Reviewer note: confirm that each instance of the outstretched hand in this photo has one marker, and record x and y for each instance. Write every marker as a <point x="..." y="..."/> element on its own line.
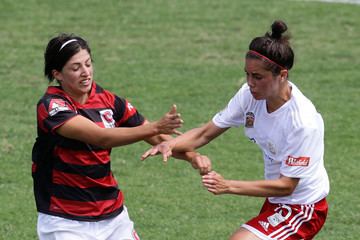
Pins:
<point x="169" y="122"/>
<point x="163" y="148"/>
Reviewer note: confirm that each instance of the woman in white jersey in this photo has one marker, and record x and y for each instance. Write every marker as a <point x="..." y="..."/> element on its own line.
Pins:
<point x="289" y="131"/>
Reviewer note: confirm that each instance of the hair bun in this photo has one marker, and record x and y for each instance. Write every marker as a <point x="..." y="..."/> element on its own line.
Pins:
<point x="278" y="28"/>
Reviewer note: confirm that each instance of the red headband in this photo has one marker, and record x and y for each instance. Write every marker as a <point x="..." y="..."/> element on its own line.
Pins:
<point x="266" y="58"/>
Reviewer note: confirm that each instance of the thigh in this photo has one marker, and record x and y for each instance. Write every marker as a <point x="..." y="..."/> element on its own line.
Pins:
<point x="119" y="228"/>
<point x="243" y="234"/>
<point x="57" y="228"/>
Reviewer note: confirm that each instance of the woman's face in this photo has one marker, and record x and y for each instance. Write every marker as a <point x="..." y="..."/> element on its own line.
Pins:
<point x="77" y="75"/>
<point x="263" y="84"/>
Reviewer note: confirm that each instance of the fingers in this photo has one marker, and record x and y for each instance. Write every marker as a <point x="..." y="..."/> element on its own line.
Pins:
<point x="163" y="148"/>
<point x="166" y="156"/>
<point x="177" y="132"/>
<point x="173" y="109"/>
<point x="170" y="122"/>
<point x="214" y="183"/>
<point x="202" y="163"/>
<point x="151" y="152"/>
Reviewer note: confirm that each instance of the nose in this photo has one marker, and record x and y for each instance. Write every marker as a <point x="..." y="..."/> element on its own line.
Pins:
<point x="85" y="71"/>
<point x="250" y="81"/>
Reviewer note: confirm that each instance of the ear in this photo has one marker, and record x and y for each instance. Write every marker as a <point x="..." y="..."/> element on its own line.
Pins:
<point x="284" y="74"/>
<point x="57" y="75"/>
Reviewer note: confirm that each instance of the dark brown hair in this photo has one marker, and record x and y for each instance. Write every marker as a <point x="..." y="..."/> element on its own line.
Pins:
<point x="56" y="57"/>
<point x="275" y="46"/>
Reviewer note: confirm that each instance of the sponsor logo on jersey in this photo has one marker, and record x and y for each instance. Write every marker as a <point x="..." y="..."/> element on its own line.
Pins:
<point x="265" y="225"/>
<point x="107" y="118"/>
<point x="57" y="105"/>
<point x="298" y="161"/>
<point x="249" y="120"/>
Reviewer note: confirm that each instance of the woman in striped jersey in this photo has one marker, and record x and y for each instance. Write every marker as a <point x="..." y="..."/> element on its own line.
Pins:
<point x="78" y="122"/>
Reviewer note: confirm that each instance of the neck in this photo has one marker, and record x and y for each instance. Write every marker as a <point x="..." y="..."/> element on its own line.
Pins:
<point x="272" y="104"/>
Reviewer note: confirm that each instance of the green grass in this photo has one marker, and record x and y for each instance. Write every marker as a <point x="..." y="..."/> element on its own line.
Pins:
<point x="188" y="52"/>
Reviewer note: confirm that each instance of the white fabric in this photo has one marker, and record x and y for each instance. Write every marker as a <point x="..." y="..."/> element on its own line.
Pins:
<point x="57" y="228"/>
<point x="296" y="129"/>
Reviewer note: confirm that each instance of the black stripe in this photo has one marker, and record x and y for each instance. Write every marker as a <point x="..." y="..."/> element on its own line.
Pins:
<point x="91" y="113"/>
<point x="99" y="89"/>
<point x="85" y="194"/>
<point x="91" y="171"/>
<point x="135" y="120"/>
<point x="52" y="121"/>
<point x="120" y="106"/>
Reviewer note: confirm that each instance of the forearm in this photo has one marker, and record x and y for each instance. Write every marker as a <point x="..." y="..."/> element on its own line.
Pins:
<point x="189" y="141"/>
<point x="123" y="136"/>
<point x="82" y="129"/>
<point x="282" y="186"/>
<point x="260" y="188"/>
<point x="154" y="140"/>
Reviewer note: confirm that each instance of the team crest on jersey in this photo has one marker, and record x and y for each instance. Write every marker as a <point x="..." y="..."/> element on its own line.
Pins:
<point x="107" y="118"/>
<point x="57" y="105"/>
<point x="249" y="120"/>
<point x="298" y="161"/>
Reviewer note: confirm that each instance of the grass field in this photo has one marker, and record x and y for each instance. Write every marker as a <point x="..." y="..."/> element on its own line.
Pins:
<point x="188" y="52"/>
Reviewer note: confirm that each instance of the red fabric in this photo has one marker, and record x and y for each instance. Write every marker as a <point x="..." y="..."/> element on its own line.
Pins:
<point x="80" y="181"/>
<point x="290" y="222"/>
<point x="86" y="209"/>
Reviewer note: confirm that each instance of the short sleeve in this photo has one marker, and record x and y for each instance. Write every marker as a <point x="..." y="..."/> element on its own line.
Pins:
<point x="126" y="115"/>
<point x="233" y="114"/>
<point x="53" y="112"/>
<point x="303" y="154"/>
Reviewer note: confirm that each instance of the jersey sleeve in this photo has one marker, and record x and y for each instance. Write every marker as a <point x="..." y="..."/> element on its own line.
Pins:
<point x="126" y="115"/>
<point x="233" y="114"/>
<point x="304" y="153"/>
<point x="53" y="112"/>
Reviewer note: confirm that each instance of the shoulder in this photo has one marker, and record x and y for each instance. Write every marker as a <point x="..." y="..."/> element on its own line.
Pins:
<point x="53" y="94"/>
<point x="302" y="119"/>
<point x="302" y="111"/>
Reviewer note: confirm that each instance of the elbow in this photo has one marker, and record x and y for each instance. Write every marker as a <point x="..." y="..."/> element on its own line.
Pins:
<point x="287" y="191"/>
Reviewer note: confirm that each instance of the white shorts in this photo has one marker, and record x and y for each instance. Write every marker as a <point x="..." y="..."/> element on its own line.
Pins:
<point x="57" y="228"/>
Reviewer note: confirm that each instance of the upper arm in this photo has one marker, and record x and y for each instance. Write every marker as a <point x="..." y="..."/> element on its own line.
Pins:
<point x="288" y="183"/>
<point x="81" y="129"/>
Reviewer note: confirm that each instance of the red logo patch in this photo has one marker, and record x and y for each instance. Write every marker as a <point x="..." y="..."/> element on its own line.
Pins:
<point x="298" y="161"/>
<point x="57" y="105"/>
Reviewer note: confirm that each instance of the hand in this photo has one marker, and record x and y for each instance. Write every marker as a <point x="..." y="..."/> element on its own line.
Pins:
<point x="164" y="148"/>
<point x="215" y="183"/>
<point x="169" y="122"/>
<point x="202" y="163"/>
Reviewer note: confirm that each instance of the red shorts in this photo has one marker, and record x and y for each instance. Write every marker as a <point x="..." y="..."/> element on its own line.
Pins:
<point x="288" y="221"/>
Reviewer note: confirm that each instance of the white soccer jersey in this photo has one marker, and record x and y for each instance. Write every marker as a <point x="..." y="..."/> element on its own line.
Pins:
<point x="291" y="139"/>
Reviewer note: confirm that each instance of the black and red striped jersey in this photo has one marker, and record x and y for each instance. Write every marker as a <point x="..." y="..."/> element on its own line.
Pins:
<point x="73" y="179"/>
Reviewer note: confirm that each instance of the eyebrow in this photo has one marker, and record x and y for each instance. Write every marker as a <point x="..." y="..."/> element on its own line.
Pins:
<point x="78" y="63"/>
<point x="254" y="73"/>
